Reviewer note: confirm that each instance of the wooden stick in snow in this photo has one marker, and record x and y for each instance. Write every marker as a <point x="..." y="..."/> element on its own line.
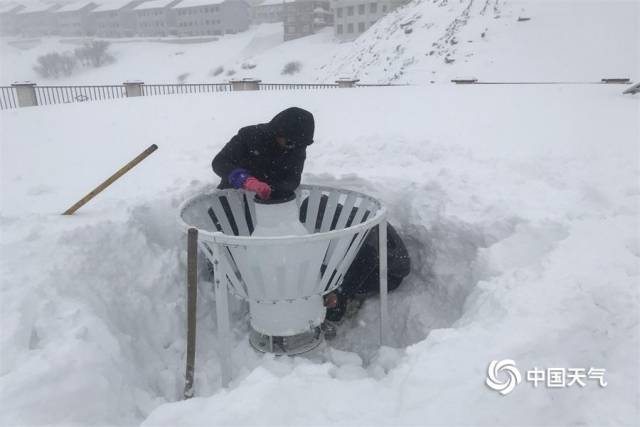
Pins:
<point x="126" y="168"/>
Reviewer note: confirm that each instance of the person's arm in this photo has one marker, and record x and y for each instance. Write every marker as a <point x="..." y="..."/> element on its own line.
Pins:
<point x="231" y="157"/>
<point x="290" y="179"/>
<point x="229" y="165"/>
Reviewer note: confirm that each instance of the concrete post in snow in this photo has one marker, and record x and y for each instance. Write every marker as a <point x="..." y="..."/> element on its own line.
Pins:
<point x="133" y="88"/>
<point x="26" y="94"/>
<point x="345" y="83"/>
<point x="245" y="84"/>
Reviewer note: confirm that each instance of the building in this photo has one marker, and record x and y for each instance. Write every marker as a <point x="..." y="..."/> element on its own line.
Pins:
<point x="155" y="18"/>
<point x="305" y="17"/>
<point x="72" y="19"/>
<point x="267" y="11"/>
<point x="36" y="19"/>
<point x="353" y="17"/>
<point x="8" y="21"/>
<point x="211" y="17"/>
<point x="115" y="18"/>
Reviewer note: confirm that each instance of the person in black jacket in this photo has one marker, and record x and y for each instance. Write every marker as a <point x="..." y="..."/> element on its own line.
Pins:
<point x="362" y="279"/>
<point x="267" y="158"/>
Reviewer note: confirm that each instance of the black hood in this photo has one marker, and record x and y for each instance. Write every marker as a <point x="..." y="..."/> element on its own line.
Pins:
<point x="295" y="124"/>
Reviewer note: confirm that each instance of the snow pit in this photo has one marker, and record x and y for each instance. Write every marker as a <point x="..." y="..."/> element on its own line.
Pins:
<point x="126" y="314"/>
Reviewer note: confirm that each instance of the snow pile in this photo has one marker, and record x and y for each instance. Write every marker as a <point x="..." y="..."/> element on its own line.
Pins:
<point x="521" y="237"/>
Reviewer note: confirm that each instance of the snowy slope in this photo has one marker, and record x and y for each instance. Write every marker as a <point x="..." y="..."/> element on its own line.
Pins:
<point x="437" y="40"/>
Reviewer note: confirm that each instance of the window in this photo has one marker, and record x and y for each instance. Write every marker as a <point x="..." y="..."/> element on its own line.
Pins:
<point x="361" y="27"/>
<point x="384" y="8"/>
<point x="339" y="28"/>
<point x="350" y="11"/>
<point x="339" y="12"/>
<point x="373" y="8"/>
<point x="350" y="28"/>
<point x="360" y="9"/>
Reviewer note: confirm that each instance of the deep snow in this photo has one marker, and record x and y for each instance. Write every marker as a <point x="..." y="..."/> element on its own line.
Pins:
<point x="521" y="220"/>
<point x="520" y="206"/>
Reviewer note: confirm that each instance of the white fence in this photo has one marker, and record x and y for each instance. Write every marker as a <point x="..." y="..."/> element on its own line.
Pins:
<point x="30" y="94"/>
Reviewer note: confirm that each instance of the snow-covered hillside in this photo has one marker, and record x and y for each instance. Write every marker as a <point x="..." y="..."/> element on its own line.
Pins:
<point x="422" y="42"/>
<point x="520" y="206"/>
<point x="497" y="40"/>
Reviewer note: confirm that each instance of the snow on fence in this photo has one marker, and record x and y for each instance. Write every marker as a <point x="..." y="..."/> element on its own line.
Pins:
<point x="49" y="95"/>
<point x="608" y="80"/>
<point x="28" y="94"/>
<point x="171" y="89"/>
<point x="8" y="98"/>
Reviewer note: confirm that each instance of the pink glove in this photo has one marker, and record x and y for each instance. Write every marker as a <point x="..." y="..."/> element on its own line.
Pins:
<point x="262" y="189"/>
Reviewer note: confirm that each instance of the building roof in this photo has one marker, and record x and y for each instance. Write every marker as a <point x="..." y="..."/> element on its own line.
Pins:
<point x="10" y="7"/>
<point x="110" y="5"/>
<point x="72" y="7"/>
<point x="154" y="4"/>
<point x="36" y="7"/>
<point x="196" y="3"/>
<point x="271" y="2"/>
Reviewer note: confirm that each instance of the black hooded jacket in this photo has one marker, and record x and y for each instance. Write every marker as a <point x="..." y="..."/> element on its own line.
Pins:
<point x="254" y="148"/>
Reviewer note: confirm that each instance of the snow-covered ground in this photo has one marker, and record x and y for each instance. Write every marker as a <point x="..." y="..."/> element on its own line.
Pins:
<point x="227" y="58"/>
<point x="520" y="206"/>
<point x="522" y="221"/>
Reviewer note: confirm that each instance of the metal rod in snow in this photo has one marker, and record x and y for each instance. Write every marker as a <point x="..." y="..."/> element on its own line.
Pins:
<point x="192" y="298"/>
<point x="382" y="252"/>
<point x="126" y="168"/>
<point x="222" y="313"/>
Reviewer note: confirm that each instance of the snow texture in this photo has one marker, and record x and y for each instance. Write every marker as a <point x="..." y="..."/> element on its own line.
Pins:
<point x="520" y="206"/>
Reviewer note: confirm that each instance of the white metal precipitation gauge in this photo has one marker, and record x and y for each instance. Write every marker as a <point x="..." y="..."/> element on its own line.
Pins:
<point x="282" y="257"/>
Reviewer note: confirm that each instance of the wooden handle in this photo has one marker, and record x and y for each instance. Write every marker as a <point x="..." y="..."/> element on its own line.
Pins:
<point x="126" y="168"/>
<point x="192" y="298"/>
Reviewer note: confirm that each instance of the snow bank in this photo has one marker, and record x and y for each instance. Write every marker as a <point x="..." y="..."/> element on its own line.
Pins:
<point x="521" y="220"/>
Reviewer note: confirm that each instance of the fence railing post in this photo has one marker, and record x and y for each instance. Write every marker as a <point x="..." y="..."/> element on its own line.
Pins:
<point x="133" y="88"/>
<point x="26" y="94"/>
<point x="245" y="84"/>
<point x="345" y="83"/>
